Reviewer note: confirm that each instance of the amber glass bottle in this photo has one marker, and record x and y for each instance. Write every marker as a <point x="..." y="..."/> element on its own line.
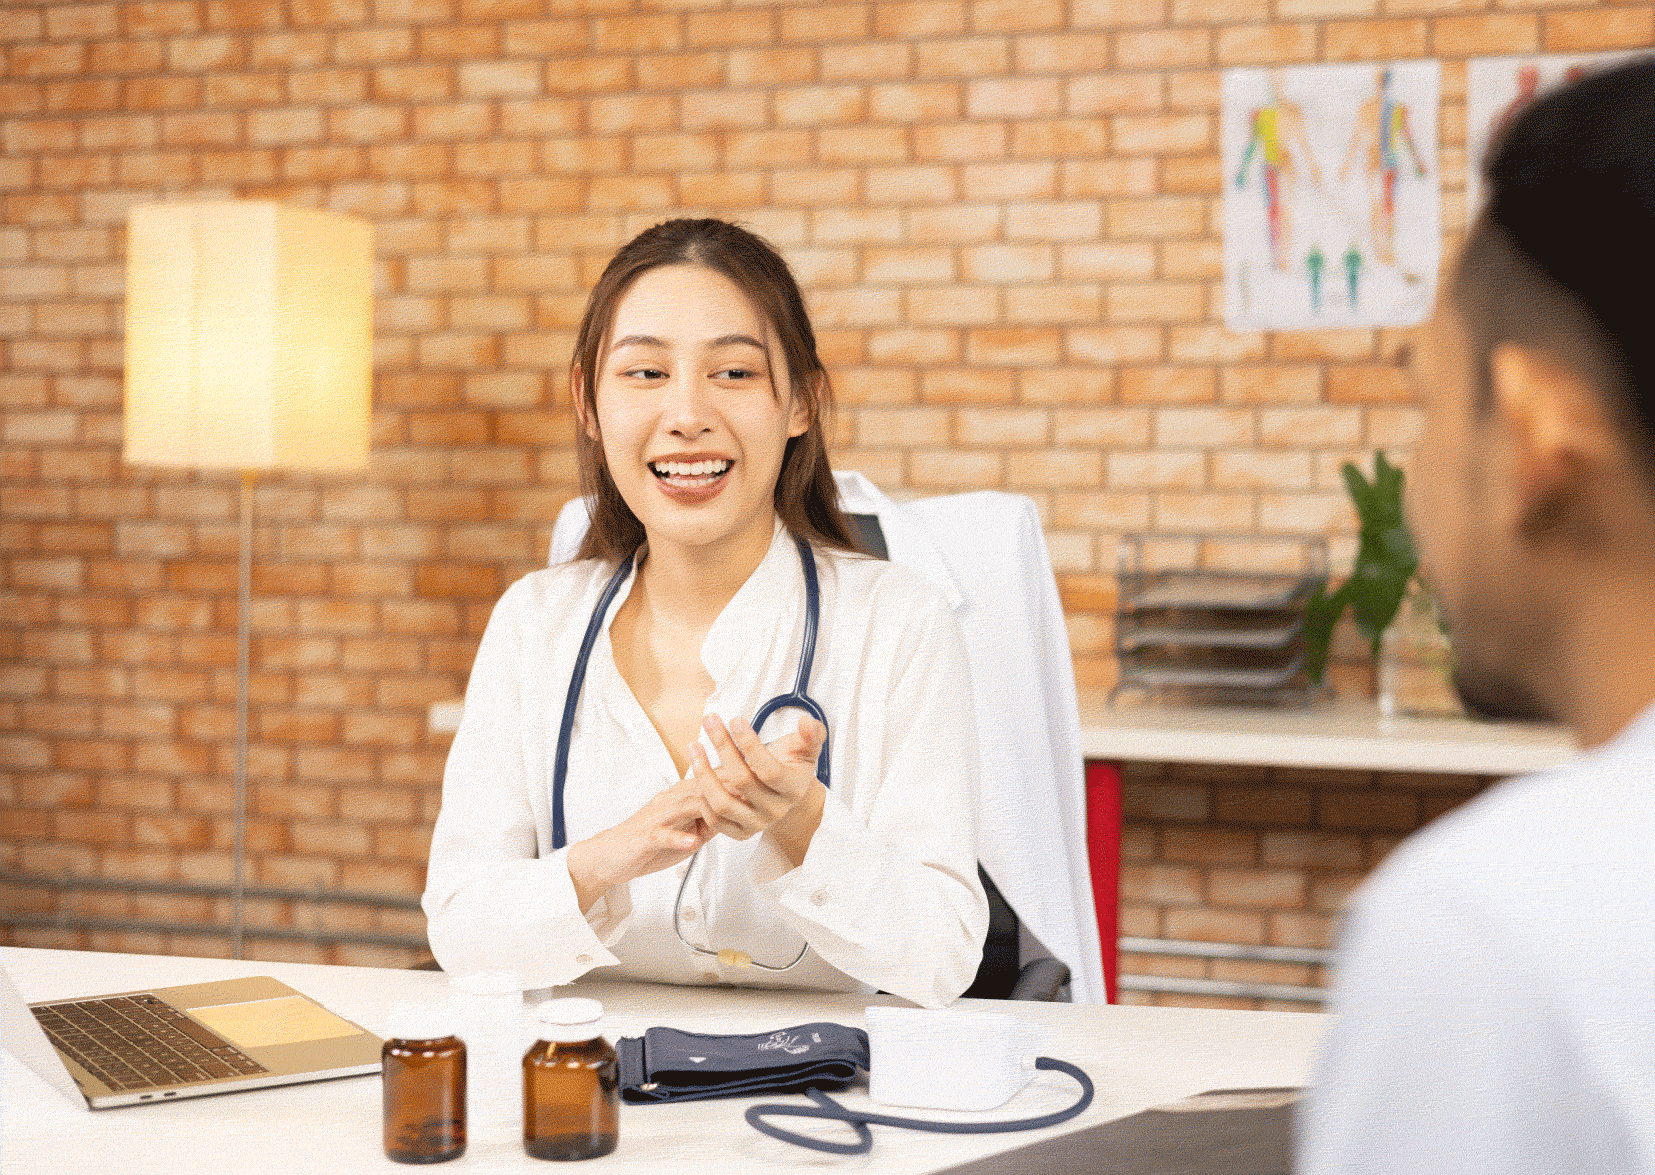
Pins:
<point x="571" y="1084"/>
<point x="423" y="1072"/>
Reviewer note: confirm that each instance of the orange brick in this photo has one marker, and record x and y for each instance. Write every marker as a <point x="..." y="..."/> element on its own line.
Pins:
<point x="1013" y="98"/>
<point x="862" y="144"/>
<point x="770" y="67"/>
<point x="915" y="102"/>
<point x="679" y="71"/>
<point x="1370" y="40"/>
<point x="919" y="19"/>
<point x="242" y="14"/>
<point x="1272" y="385"/>
<point x="1598" y="28"/>
<point x="1367" y="383"/>
<point x="740" y="27"/>
<point x="1157" y="302"/>
<point x="712" y="110"/>
<point x="967" y="58"/>
<point x="825" y="22"/>
<point x="329" y="12"/>
<point x="1271" y="44"/>
<point x="1113" y="13"/>
<point x="1163" y="48"/>
<point x="960" y="141"/>
<point x="1012" y="16"/>
<point x="1114" y="93"/>
<point x="545" y="38"/>
<point x="1168" y="385"/>
<point x="635" y="34"/>
<point x="1014" y="347"/>
<point x="1113" y="344"/>
<point x="1162" y="134"/>
<point x="1469" y="36"/>
<point x="820" y="105"/>
<point x="160" y="17"/>
<point x="967" y="386"/>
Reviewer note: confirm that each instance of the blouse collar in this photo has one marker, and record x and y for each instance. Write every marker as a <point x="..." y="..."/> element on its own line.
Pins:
<point x="767" y="605"/>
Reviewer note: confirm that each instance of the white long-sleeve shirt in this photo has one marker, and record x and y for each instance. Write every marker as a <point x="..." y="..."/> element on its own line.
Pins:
<point x="1495" y="1006"/>
<point x="887" y="896"/>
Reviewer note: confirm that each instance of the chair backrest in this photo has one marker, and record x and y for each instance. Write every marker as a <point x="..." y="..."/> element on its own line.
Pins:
<point x="987" y="553"/>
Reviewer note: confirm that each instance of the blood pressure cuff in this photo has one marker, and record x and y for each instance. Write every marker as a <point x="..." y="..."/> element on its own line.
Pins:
<point x="668" y="1065"/>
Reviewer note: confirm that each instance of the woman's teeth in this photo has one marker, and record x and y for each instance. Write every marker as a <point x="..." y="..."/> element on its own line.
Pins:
<point x="690" y="473"/>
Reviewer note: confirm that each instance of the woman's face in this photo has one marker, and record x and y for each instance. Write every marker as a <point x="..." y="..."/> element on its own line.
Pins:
<point x="694" y="408"/>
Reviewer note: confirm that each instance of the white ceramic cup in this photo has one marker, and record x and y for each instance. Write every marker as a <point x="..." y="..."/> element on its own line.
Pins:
<point x="946" y="1059"/>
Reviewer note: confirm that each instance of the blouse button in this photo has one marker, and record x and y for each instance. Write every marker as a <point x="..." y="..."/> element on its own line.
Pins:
<point x="687" y="913"/>
<point x="583" y="958"/>
<point x="710" y="976"/>
<point x="819" y="898"/>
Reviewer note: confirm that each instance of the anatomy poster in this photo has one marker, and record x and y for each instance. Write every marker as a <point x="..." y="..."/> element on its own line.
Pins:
<point x="1331" y="214"/>
<point x="1496" y="88"/>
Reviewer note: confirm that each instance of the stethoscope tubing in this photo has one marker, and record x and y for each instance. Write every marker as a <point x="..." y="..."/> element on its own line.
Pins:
<point x="797" y="698"/>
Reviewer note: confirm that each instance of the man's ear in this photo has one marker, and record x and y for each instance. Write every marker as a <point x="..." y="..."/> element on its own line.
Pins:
<point x="577" y="393"/>
<point x="1560" y="434"/>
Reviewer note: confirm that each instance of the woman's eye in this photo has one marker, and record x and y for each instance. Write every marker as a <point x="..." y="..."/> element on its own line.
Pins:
<point x="736" y="373"/>
<point x="647" y="373"/>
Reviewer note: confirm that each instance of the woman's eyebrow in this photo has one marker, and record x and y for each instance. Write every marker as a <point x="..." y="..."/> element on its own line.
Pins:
<point x="732" y="340"/>
<point x="637" y="341"/>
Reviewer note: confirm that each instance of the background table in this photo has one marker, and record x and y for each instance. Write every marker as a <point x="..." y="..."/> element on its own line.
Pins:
<point x="1138" y="1057"/>
<point x="1344" y="736"/>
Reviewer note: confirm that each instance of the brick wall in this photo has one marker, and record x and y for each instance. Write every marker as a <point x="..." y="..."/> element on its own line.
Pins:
<point x="1004" y="213"/>
<point x="1257" y="857"/>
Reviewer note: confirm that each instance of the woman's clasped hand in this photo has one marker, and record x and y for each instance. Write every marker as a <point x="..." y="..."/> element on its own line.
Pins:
<point x="755" y="788"/>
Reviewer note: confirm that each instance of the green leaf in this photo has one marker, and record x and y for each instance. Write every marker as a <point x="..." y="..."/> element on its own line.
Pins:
<point x="1385" y="562"/>
<point x="1321" y="613"/>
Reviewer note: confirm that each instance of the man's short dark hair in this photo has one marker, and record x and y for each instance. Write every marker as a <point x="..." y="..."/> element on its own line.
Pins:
<point x="1563" y="257"/>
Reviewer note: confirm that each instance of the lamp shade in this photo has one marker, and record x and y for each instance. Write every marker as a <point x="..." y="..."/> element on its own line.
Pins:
<point x="249" y="336"/>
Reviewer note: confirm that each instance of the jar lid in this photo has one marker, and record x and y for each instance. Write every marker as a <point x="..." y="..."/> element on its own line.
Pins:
<point x="411" y="1021"/>
<point x="568" y="1021"/>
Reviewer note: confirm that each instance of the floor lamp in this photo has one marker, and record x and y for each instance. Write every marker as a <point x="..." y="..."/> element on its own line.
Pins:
<point x="249" y="338"/>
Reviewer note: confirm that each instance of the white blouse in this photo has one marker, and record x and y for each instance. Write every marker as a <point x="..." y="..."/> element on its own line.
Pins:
<point x="887" y="897"/>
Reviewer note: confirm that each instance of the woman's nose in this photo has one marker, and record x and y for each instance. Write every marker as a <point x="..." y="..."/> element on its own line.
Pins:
<point x="687" y="411"/>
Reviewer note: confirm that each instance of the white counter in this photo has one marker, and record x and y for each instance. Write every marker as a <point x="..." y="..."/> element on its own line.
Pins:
<point x="1343" y="736"/>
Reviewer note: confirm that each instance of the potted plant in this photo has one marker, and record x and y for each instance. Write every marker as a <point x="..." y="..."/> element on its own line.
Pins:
<point x="1386" y="564"/>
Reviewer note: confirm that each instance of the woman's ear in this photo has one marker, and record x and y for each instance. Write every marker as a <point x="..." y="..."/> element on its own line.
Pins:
<point x="577" y="393"/>
<point x="803" y="413"/>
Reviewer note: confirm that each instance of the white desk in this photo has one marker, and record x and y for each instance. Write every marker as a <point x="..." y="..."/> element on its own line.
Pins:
<point x="1138" y="1057"/>
<point x="1348" y="736"/>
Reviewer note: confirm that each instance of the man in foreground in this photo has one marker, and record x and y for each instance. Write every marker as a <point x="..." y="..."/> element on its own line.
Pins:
<point x="1496" y="996"/>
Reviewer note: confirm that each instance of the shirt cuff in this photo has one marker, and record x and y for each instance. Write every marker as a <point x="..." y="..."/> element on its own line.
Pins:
<point x="813" y="887"/>
<point x="541" y="940"/>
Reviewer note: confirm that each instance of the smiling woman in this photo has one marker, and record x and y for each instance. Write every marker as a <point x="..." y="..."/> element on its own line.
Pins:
<point x="655" y="831"/>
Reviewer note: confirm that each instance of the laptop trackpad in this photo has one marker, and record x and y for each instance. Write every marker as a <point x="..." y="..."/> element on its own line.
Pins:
<point x="284" y="1020"/>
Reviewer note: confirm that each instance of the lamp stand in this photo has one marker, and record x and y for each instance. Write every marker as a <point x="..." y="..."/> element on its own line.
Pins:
<point x="238" y="900"/>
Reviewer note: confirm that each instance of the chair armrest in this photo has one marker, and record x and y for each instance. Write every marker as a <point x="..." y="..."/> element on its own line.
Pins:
<point x="1040" y="979"/>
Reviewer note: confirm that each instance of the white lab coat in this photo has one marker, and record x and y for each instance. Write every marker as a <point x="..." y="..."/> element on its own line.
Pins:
<point x="886" y="898"/>
<point x="987" y="553"/>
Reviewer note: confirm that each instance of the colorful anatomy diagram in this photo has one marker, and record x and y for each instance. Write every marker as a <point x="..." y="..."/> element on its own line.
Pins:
<point x="1381" y="138"/>
<point x="1331" y="192"/>
<point x="1283" y="153"/>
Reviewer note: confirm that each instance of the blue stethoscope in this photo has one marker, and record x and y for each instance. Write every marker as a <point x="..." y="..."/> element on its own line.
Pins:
<point x="796" y="699"/>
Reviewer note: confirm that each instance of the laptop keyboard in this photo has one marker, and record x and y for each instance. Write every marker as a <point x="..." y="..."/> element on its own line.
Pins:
<point x="133" y="1042"/>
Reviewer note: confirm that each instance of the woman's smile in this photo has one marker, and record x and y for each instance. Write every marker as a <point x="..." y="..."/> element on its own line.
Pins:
<point x="691" y="480"/>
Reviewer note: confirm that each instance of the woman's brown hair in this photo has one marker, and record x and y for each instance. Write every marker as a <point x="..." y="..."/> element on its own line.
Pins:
<point x="806" y="497"/>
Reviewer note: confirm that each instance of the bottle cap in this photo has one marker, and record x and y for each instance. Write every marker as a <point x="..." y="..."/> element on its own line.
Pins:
<point x="410" y="1021"/>
<point x="569" y="1021"/>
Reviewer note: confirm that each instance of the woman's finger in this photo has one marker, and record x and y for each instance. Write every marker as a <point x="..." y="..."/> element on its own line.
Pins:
<point x="763" y="765"/>
<point x="724" y="813"/>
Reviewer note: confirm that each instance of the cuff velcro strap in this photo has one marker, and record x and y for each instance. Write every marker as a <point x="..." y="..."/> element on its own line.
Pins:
<point x="669" y="1065"/>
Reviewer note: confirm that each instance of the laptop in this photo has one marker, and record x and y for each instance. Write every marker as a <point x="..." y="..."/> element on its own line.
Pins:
<point x="1220" y="1132"/>
<point x="176" y="1042"/>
